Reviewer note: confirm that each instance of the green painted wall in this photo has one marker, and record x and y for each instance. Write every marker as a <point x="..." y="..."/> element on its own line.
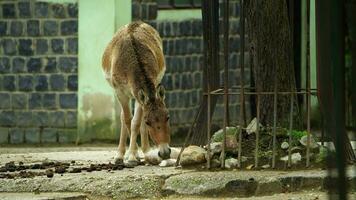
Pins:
<point x="98" y="109"/>
<point x="179" y="15"/>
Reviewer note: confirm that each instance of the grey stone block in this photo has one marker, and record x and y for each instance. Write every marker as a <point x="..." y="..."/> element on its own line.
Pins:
<point x="16" y="135"/>
<point x="5" y="101"/>
<point x="16" y="28"/>
<point x="73" y="82"/>
<point x="50" y="64"/>
<point x="33" y="28"/>
<point x="4" y="135"/>
<point x="68" y="64"/>
<point x="32" y="136"/>
<point x="71" y="119"/>
<point x="41" y="119"/>
<point x="9" y="46"/>
<point x="49" y="135"/>
<point x="34" y="65"/>
<point x="57" y="82"/>
<point x="9" y="83"/>
<point x="19" y="101"/>
<point x="68" y="101"/>
<point x="41" y="46"/>
<point x="57" y="119"/>
<point x="73" y="10"/>
<point x="41" y="83"/>
<point x="67" y="135"/>
<point x="24" y="118"/>
<point x="18" y="65"/>
<point x="4" y="65"/>
<point x="58" y="10"/>
<point x="7" y="118"/>
<point x="3" y="28"/>
<point x="49" y="101"/>
<point x="69" y="27"/>
<point x="50" y="28"/>
<point x="25" y="83"/>
<point x="72" y="45"/>
<point x="41" y="9"/>
<point x="152" y="11"/>
<point x="35" y="101"/>
<point x="57" y="46"/>
<point x="25" y="47"/>
<point x="24" y="9"/>
<point x="8" y="10"/>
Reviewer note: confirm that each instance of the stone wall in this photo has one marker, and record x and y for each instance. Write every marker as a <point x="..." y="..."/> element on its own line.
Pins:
<point x="183" y="49"/>
<point x="38" y="71"/>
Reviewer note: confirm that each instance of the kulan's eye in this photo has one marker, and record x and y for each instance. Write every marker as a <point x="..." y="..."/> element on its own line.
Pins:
<point x="167" y="118"/>
<point x="148" y="123"/>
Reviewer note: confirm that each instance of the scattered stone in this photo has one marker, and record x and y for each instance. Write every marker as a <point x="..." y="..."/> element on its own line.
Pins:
<point x="192" y="155"/>
<point x="304" y="140"/>
<point x="218" y="136"/>
<point x="49" y="173"/>
<point x="252" y="127"/>
<point x="168" y="163"/>
<point x="75" y="170"/>
<point x="265" y="166"/>
<point x="231" y="163"/>
<point x="215" y="163"/>
<point x="216" y="147"/>
<point x="284" y="145"/>
<point x="60" y="169"/>
<point x="295" y="158"/>
<point x="249" y="167"/>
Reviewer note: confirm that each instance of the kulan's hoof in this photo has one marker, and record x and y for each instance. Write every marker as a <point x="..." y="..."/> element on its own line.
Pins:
<point x="118" y="161"/>
<point x="131" y="163"/>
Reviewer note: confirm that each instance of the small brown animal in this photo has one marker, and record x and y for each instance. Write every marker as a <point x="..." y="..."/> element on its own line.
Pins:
<point x="133" y="64"/>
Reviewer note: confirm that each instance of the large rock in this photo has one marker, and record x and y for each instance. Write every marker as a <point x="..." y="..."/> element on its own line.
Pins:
<point x="192" y="155"/>
<point x="252" y="127"/>
<point x="304" y="140"/>
<point x="231" y="163"/>
<point x="295" y="158"/>
<point x="231" y="138"/>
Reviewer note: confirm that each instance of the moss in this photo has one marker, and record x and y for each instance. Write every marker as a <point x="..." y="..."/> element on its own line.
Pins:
<point x="218" y="135"/>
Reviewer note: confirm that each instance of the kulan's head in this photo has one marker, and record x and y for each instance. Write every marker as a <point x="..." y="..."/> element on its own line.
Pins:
<point x="156" y="119"/>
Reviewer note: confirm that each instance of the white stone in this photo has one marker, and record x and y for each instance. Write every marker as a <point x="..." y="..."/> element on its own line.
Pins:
<point x="168" y="163"/>
<point x="284" y="145"/>
<point x="231" y="163"/>
<point x="295" y="158"/>
<point x="252" y="127"/>
<point x="304" y="140"/>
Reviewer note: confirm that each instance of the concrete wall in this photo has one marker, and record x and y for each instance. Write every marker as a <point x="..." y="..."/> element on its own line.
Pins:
<point x="38" y="71"/>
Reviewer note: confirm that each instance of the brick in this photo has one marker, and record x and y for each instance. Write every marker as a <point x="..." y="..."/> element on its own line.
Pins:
<point x="3" y="28"/>
<point x="41" y="83"/>
<point x="33" y="28"/>
<point x="50" y="64"/>
<point x="24" y="9"/>
<point x="16" y="135"/>
<point x="72" y="45"/>
<point x="4" y="135"/>
<point x="9" y="46"/>
<point x="24" y="118"/>
<point x="41" y="119"/>
<point x="4" y="65"/>
<point x="72" y="82"/>
<point x="32" y="136"/>
<point x="68" y="100"/>
<point x="152" y="11"/>
<point x="168" y="82"/>
<point x="198" y="79"/>
<point x="19" y="101"/>
<point x="69" y="27"/>
<point x="194" y="98"/>
<point x="71" y="119"/>
<point x="9" y="83"/>
<point x="34" y="101"/>
<point x="49" y="135"/>
<point x="26" y="83"/>
<point x="57" y="82"/>
<point x="18" y="65"/>
<point x="50" y="28"/>
<point x="73" y="10"/>
<point x="49" y="101"/>
<point x="177" y="81"/>
<point x="7" y="118"/>
<point x="16" y="28"/>
<point x="5" y="101"/>
<point x="41" y="46"/>
<point x="8" y="10"/>
<point x="57" y="46"/>
<point x="58" y="10"/>
<point x="25" y="47"/>
<point x="67" y="135"/>
<point x="34" y="65"/>
<point x="57" y="119"/>
<point x="41" y="9"/>
<point x="197" y="28"/>
<point x="135" y="10"/>
<point x="185" y="27"/>
<point x="167" y="29"/>
<point x="68" y="64"/>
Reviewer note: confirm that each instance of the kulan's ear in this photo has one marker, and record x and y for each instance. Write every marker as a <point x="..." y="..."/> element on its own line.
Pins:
<point x="142" y="97"/>
<point x="160" y="92"/>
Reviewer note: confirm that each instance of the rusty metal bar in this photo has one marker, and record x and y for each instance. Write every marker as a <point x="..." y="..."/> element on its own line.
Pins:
<point x="226" y="77"/>
<point x="274" y="124"/>
<point x="257" y="130"/>
<point x="242" y="75"/>
<point x="261" y="93"/>
<point x="290" y="130"/>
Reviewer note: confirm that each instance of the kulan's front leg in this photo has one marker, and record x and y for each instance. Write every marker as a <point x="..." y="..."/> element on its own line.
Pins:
<point x="135" y="128"/>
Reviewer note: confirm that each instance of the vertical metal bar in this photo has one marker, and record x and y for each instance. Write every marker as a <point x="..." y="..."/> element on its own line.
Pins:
<point x="258" y="128"/>
<point x="307" y="64"/>
<point x="226" y="77"/>
<point x="209" y="66"/>
<point x="242" y="75"/>
<point x="274" y="123"/>
<point x="290" y="130"/>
